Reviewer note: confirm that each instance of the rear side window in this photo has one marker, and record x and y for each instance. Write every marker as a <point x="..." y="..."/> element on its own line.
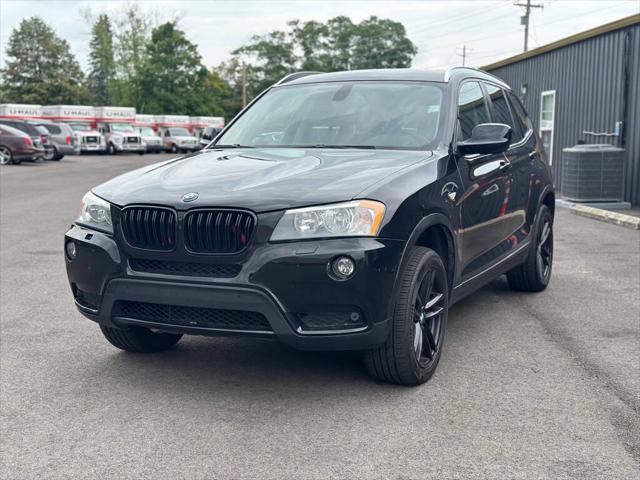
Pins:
<point x="501" y="112"/>
<point x="54" y="129"/>
<point x="472" y="108"/>
<point x="519" y="114"/>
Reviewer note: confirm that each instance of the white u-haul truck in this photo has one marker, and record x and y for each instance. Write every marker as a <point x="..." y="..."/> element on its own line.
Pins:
<point x="175" y="133"/>
<point x="116" y="124"/>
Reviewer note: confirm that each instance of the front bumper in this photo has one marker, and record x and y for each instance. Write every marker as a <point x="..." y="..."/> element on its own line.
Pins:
<point x="129" y="147"/>
<point x="93" y="147"/>
<point x="286" y="283"/>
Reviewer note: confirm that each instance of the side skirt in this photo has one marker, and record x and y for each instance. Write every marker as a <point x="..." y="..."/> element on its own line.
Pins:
<point x="479" y="280"/>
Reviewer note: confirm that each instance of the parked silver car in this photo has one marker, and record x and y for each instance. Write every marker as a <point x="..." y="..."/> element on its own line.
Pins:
<point x="151" y="139"/>
<point x="62" y="140"/>
<point x="178" y="139"/>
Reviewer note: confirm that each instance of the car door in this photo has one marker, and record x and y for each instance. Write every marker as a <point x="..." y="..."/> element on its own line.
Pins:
<point x="485" y="222"/>
<point x="519" y="162"/>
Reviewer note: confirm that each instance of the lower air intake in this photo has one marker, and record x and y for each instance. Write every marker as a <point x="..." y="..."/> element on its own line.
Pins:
<point x="192" y="316"/>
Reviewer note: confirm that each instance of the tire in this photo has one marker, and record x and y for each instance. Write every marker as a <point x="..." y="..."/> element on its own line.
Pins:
<point x="408" y="357"/>
<point x="139" y="339"/>
<point x="49" y="155"/>
<point x="174" y="148"/>
<point x="6" y="156"/>
<point x="56" y="155"/>
<point x="111" y="149"/>
<point x="534" y="274"/>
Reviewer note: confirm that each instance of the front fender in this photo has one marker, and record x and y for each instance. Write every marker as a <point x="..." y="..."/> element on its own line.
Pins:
<point x="422" y="226"/>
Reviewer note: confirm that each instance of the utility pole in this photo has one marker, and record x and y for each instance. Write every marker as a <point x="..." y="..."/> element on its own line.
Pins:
<point x="524" y="20"/>
<point x="463" y="54"/>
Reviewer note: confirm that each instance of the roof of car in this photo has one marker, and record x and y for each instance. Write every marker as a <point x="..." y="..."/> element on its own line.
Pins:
<point x="13" y="130"/>
<point x="442" y="75"/>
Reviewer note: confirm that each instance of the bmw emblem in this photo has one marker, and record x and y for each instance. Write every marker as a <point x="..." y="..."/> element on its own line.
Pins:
<point x="190" y="197"/>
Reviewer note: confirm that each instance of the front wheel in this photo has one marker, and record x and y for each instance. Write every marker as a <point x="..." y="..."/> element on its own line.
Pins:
<point x="139" y="339"/>
<point x="414" y="346"/>
<point x="111" y="149"/>
<point x="174" y="148"/>
<point x="534" y="274"/>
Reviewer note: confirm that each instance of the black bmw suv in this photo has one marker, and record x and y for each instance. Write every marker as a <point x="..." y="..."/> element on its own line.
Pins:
<point x="338" y="211"/>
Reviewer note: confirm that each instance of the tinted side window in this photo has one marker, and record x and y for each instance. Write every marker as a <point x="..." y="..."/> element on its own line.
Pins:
<point x="54" y="129"/>
<point x="501" y="112"/>
<point x="472" y="108"/>
<point x="519" y="114"/>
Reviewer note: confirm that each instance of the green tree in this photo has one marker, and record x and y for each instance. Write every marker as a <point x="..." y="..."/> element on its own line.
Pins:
<point x="338" y="44"/>
<point x="172" y="73"/>
<point x="101" y="61"/>
<point x="40" y="67"/>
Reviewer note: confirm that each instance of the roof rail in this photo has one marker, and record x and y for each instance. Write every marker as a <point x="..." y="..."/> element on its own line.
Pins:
<point x="295" y="76"/>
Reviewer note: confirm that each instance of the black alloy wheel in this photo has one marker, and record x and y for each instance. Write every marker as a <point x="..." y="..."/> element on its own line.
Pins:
<point x="427" y="317"/>
<point x="544" y="250"/>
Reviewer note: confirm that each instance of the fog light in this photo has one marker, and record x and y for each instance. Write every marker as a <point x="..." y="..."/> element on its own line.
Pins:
<point x="343" y="268"/>
<point x="71" y="250"/>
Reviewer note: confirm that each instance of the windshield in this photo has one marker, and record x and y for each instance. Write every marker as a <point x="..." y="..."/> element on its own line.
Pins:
<point x="147" y="131"/>
<point x="80" y="127"/>
<point x="179" y="132"/>
<point x="121" y="127"/>
<point x="394" y="115"/>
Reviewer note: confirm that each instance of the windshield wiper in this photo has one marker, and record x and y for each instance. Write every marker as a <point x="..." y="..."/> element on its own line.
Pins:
<point x="235" y="145"/>
<point x="368" y="147"/>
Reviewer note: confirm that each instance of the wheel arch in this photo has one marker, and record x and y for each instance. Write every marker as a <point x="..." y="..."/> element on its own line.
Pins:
<point x="435" y="232"/>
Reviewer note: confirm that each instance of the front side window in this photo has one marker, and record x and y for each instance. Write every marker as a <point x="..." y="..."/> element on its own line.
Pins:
<point x="472" y="108"/>
<point x="383" y="114"/>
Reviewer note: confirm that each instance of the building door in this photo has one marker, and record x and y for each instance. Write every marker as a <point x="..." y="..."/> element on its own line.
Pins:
<point x="547" y="118"/>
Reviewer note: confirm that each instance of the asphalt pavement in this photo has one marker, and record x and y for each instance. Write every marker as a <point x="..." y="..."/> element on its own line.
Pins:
<point x="529" y="386"/>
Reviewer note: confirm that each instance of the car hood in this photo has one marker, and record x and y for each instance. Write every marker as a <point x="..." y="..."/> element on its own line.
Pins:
<point x="259" y="179"/>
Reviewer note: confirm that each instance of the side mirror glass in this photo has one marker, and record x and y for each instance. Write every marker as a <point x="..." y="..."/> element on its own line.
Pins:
<point x="487" y="138"/>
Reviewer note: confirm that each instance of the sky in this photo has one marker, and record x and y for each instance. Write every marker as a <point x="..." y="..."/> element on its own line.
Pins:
<point x="490" y="29"/>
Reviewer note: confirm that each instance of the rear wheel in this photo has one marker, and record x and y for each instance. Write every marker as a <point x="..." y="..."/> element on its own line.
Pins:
<point x="6" y="156"/>
<point x="412" y="352"/>
<point x="49" y="154"/>
<point x="534" y="274"/>
<point x="139" y="339"/>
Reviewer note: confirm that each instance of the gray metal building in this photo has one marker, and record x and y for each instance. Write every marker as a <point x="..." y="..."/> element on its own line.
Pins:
<point x="584" y="88"/>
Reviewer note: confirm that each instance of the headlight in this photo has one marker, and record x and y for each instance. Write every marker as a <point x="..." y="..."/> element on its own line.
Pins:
<point x="360" y="218"/>
<point x="95" y="212"/>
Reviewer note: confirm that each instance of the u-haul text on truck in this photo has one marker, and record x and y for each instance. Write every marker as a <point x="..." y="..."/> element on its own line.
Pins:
<point x="20" y="111"/>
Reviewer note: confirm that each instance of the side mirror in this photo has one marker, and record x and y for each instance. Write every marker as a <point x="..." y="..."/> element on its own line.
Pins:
<point x="487" y="138"/>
